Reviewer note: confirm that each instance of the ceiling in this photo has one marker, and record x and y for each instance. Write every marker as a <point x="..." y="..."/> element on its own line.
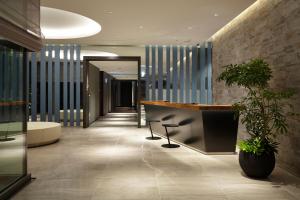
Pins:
<point x="141" y="22"/>
<point x="122" y="70"/>
<point x="129" y="25"/>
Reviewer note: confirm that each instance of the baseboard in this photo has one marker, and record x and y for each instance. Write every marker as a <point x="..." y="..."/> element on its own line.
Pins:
<point x="15" y="187"/>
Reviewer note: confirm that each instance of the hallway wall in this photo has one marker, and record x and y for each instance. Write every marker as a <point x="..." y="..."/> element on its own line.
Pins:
<point x="269" y="29"/>
<point x="105" y="93"/>
<point x="94" y="93"/>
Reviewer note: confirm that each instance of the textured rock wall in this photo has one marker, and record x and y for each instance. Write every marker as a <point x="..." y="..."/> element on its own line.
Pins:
<point x="269" y="29"/>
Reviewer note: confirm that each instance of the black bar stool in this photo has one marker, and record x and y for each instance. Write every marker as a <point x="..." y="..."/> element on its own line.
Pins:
<point x="149" y="121"/>
<point x="169" y="145"/>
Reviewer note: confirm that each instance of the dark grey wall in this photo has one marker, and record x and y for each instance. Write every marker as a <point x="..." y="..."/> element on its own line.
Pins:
<point x="105" y="85"/>
<point x="270" y="29"/>
<point x="94" y="97"/>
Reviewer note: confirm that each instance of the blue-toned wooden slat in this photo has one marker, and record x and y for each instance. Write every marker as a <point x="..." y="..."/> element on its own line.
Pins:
<point x="175" y="74"/>
<point x="27" y="83"/>
<point x="187" y="75"/>
<point x="194" y="74"/>
<point x="153" y="82"/>
<point x="147" y="54"/>
<point x="65" y="74"/>
<point x="209" y="73"/>
<point x="181" y="99"/>
<point x="77" y="85"/>
<point x="168" y="78"/>
<point x="14" y="76"/>
<point x="33" y="86"/>
<point x="57" y="83"/>
<point x="43" y="84"/>
<point x="50" y="81"/>
<point x="1" y="72"/>
<point x="203" y="75"/>
<point x="72" y="85"/>
<point x="6" y="84"/>
<point x="21" y="70"/>
<point x="160" y="72"/>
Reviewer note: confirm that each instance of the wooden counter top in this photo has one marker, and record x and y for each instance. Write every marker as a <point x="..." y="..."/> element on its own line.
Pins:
<point x="188" y="105"/>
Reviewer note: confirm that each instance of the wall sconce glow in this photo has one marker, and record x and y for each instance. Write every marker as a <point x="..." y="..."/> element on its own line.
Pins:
<point x="61" y="24"/>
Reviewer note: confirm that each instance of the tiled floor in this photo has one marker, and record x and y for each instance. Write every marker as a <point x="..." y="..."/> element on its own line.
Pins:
<point x="109" y="163"/>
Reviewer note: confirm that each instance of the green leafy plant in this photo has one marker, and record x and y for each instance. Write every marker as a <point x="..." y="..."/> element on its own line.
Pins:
<point x="263" y="110"/>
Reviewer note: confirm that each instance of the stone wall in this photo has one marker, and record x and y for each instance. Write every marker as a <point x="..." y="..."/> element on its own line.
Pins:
<point x="269" y="29"/>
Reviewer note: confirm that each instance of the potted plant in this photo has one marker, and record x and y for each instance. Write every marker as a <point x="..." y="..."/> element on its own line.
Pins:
<point x="263" y="111"/>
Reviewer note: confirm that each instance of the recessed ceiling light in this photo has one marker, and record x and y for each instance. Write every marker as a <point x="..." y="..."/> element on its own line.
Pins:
<point x="216" y="15"/>
<point x="190" y="28"/>
<point x="61" y="24"/>
<point x="141" y="27"/>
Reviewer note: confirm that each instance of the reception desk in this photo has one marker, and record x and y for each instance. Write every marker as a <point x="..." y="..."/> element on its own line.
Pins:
<point x="211" y="129"/>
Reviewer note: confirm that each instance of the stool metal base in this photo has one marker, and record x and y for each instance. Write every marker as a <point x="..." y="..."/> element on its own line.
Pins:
<point x="170" y="145"/>
<point x="6" y="139"/>
<point x="153" y="138"/>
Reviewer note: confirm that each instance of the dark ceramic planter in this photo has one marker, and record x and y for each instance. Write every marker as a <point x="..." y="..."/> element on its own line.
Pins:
<point x="257" y="166"/>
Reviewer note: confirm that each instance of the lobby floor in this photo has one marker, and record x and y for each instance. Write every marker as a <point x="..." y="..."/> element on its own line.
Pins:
<point x="110" y="163"/>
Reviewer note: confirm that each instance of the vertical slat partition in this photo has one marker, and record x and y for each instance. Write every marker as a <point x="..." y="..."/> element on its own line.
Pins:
<point x="153" y="63"/>
<point x="160" y="72"/>
<point x="203" y="74"/>
<point x="174" y="74"/>
<point x="50" y="82"/>
<point x="33" y="87"/>
<point x="77" y="85"/>
<point x="168" y="78"/>
<point x="147" y="56"/>
<point x="43" y="84"/>
<point x="72" y="85"/>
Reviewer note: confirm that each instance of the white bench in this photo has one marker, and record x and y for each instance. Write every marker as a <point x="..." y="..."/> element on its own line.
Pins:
<point x="42" y="133"/>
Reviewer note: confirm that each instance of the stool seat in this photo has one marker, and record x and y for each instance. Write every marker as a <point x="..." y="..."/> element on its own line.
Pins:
<point x="170" y="125"/>
<point x="152" y="120"/>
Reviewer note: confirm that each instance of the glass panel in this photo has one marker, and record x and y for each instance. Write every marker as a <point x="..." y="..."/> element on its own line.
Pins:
<point x="12" y="114"/>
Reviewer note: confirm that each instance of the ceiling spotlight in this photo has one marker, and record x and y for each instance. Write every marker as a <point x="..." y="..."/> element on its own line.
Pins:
<point x="190" y="28"/>
<point x="141" y="27"/>
<point x="216" y="15"/>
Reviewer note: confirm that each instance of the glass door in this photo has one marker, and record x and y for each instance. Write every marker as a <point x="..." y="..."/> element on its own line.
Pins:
<point x="12" y="114"/>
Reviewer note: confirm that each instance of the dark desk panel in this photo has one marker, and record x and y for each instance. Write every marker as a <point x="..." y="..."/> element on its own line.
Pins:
<point x="208" y="130"/>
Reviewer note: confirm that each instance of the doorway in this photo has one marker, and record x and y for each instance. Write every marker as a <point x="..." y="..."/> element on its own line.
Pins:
<point x="127" y="87"/>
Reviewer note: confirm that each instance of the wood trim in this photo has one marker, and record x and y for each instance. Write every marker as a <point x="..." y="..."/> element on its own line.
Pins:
<point x="188" y="105"/>
<point x="19" y="36"/>
<point x="13" y="103"/>
<point x="86" y="60"/>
